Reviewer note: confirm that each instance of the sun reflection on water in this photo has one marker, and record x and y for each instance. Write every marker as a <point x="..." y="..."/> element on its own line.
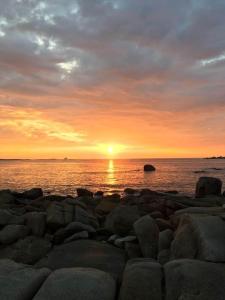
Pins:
<point x="110" y="180"/>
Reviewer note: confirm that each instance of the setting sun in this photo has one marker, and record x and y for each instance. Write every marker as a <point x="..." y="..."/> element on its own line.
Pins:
<point x="110" y="149"/>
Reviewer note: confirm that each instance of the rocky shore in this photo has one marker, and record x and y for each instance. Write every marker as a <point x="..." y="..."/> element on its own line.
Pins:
<point x="142" y="245"/>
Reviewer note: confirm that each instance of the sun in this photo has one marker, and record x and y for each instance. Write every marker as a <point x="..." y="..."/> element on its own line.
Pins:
<point x="110" y="150"/>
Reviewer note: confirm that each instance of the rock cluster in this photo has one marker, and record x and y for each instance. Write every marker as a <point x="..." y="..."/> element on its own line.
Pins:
<point x="144" y="245"/>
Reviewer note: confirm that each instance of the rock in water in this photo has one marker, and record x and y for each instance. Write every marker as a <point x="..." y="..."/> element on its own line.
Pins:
<point x="19" y="282"/>
<point x="33" y="194"/>
<point x="208" y="186"/>
<point x="148" y="235"/>
<point x="86" y="254"/>
<point x="149" y="168"/>
<point x="193" y="279"/>
<point x="79" y="284"/>
<point x="141" y="280"/>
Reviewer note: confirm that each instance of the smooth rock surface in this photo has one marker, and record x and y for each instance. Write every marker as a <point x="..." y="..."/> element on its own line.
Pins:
<point x="11" y="233"/>
<point x="36" y="222"/>
<point x="78" y="284"/>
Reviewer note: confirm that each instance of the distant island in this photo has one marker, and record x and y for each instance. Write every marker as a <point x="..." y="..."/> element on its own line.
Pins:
<point x="215" y="157"/>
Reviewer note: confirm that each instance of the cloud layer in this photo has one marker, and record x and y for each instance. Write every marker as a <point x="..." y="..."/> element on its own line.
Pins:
<point x="147" y="74"/>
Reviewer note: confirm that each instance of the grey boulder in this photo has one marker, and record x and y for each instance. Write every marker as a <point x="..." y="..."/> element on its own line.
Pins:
<point x="11" y="233"/>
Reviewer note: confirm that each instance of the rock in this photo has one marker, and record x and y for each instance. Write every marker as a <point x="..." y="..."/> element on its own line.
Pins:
<point x="130" y="191"/>
<point x="163" y="224"/>
<point x="149" y="168"/>
<point x="77" y="236"/>
<point x="156" y="215"/>
<point x="133" y="250"/>
<point x="141" y="280"/>
<point x="19" y="282"/>
<point x="121" y="219"/>
<point x="208" y="186"/>
<point x="192" y="279"/>
<point x="33" y="193"/>
<point x="55" y="215"/>
<point x="84" y="193"/>
<point x="204" y="234"/>
<point x="164" y="256"/>
<point x="6" y="198"/>
<point x="82" y="216"/>
<point x="120" y="242"/>
<point x="79" y="284"/>
<point x="11" y="233"/>
<point x="213" y="211"/>
<point x="105" y="206"/>
<point x="165" y="239"/>
<point x="147" y="233"/>
<point x="27" y="251"/>
<point x="99" y="195"/>
<point x="36" y="222"/>
<point x="86" y="254"/>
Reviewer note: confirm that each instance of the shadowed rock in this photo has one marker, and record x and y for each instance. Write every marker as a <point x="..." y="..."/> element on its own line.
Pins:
<point x="149" y="168"/>
<point x="208" y="186"/>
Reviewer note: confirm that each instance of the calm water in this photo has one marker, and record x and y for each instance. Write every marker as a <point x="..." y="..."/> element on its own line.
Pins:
<point x="56" y="176"/>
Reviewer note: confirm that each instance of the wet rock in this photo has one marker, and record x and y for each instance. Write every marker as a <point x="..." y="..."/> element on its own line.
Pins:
<point x="208" y="186"/>
<point x="20" y="282"/>
<point x="79" y="284"/>
<point x="27" y="251"/>
<point x="141" y="280"/>
<point x="193" y="279"/>
<point x="86" y="254"/>
<point x="130" y="191"/>
<point x="149" y="168"/>
<point x="84" y="193"/>
<point x="36" y="222"/>
<point x="11" y="233"/>
<point x="33" y="194"/>
<point x="121" y="219"/>
<point x="147" y="233"/>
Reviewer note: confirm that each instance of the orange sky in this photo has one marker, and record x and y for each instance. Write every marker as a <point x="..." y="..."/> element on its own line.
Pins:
<point x="142" y="78"/>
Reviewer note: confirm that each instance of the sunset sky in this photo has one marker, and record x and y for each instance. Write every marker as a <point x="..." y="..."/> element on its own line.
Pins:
<point x="118" y="78"/>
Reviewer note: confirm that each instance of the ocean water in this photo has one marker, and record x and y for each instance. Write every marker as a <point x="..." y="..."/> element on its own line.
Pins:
<point x="64" y="176"/>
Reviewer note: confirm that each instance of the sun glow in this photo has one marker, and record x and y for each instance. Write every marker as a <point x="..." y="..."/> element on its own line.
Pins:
<point x="111" y="150"/>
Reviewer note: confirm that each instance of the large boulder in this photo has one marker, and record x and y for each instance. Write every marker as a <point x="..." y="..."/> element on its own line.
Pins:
<point x="203" y="235"/>
<point x="6" y="198"/>
<point x="149" y="168"/>
<point x="27" y="250"/>
<point x="55" y="215"/>
<point x="36" y="222"/>
<point x="33" y="194"/>
<point x="147" y="233"/>
<point x="141" y="280"/>
<point x="20" y="282"/>
<point x="165" y="239"/>
<point x="7" y="218"/>
<point x="84" y="193"/>
<point x="121" y="219"/>
<point x="86" y="254"/>
<point x="79" y="284"/>
<point x="192" y="279"/>
<point x="11" y="233"/>
<point x="208" y="186"/>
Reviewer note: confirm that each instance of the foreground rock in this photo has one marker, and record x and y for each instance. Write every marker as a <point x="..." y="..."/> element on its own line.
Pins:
<point x="19" y="282"/>
<point x="148" y="235"/>
<point x="11" y="233"/>
<point x="208" y="186"/>
<point x="193" y="279"/>
<point x="141" y="280"/>
<point x="200" y="237"/>
<point x="79" y="284"/>
<point x="86" y="254"/>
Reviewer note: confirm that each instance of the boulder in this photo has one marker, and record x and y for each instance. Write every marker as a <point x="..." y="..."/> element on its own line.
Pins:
<point x="204" y="235"/>
<point x="6" y="198"/>
<point x="141" y="280"/>
<point x="11" y="233"/>
<point x="27" y="251"/>
<point x="121" y="219"/>
<point x="36" y="222"/>
<point x="147" y="233"/>
<point x="149" y="168"/>
<point x="192" y="279"/>
<point x="7" y="218"/>
<point x="20" y="282"/>
<point x="165" y="239"/>
<point x="79" y="284"/>
<point x="77" y="236"/>
<point x="55" y="215"/>
<point x="208" y="186"/>
<point x="133" y="250"/>
<point x="86" y="254"/>
<point x="120" y="242"/>
<point x="84" y="193"/>
<point x="33" y="194"/>
<point x="105" y="206"/>
<point x="164" y="256"/>
<point x="163" y="224"/>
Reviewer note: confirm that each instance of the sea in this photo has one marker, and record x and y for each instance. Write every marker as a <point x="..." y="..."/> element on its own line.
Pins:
<point x="110" y="176"/>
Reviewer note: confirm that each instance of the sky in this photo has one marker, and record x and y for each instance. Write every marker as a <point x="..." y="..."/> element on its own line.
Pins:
<point x="112" y="78"/>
